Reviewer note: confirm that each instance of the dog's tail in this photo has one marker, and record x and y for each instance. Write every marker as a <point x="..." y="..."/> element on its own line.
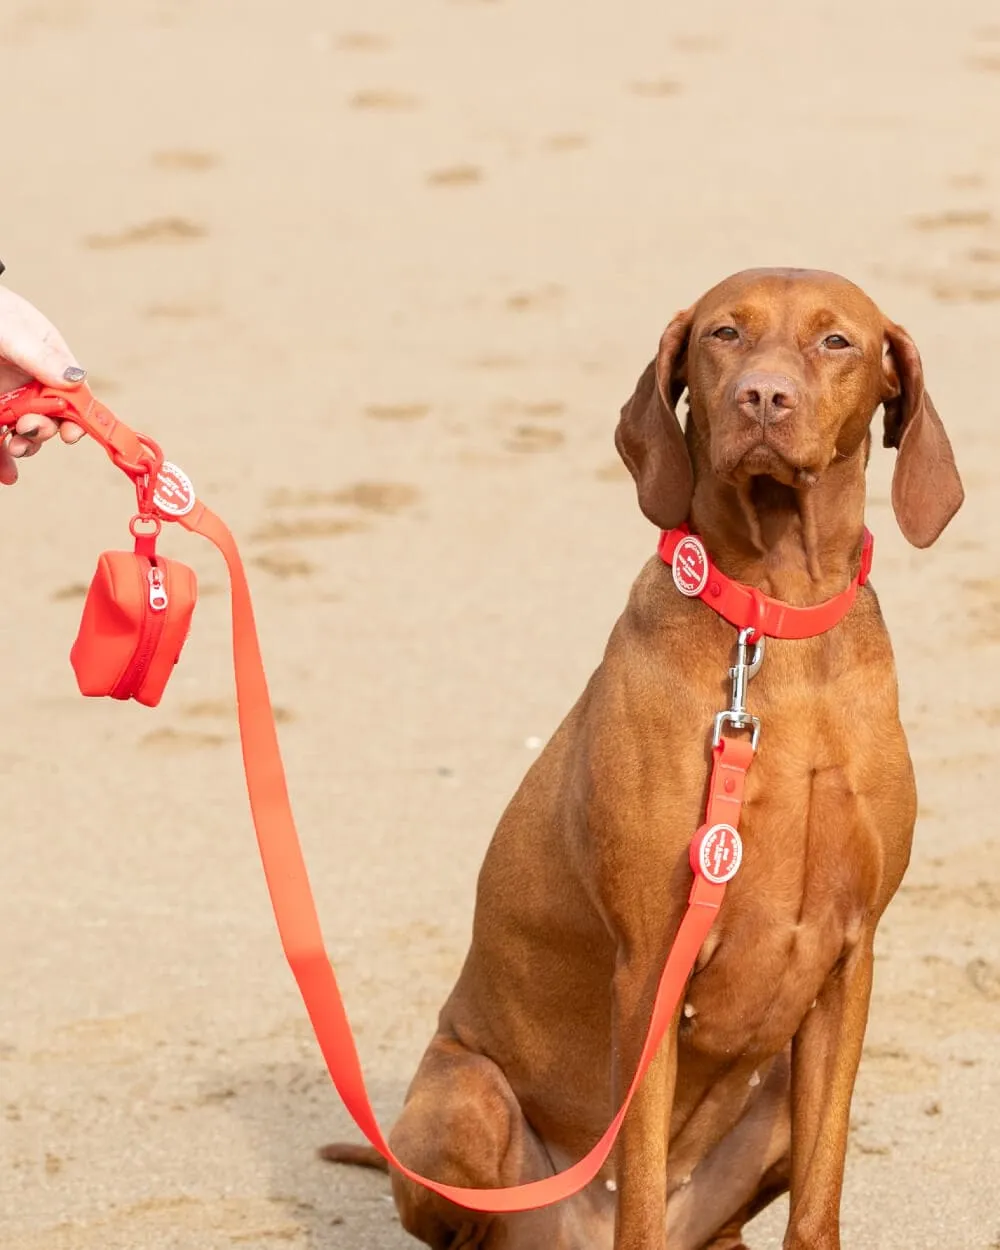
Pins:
<point x="353" y="1155"/>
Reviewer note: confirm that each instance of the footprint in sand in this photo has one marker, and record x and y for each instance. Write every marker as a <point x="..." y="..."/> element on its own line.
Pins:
<point x="984" y="612"/>
<point x="656" y="89"/>
<point x="383" y="498"/>
<point x="870" y="1146"/>
<point x="977" y="896"/>
<point x="962" y="280"/>
<point x="361" y="41"/>
<point x="278" y="530"/>
<point x="225" y="709"/>
<point x="954" y="219"/>
<point x="387" y="101"/>
<point x="985" y="977"/>
<point x="895" y="1070"/>
<point x="283" y="565"/>
<point x="160" y="230"/>
<point x="496" y="361"/>
<point x="959" y="291"/>
<point x="455" y="176"/>
<point x="167" y="739"/>
<point x="209" y="707"/>
<point x="565" y="143"/>
<point x="530" y="301"/>
<point x="189" y="160"/>
<point x="532" y="438"/>
<point x="387" y="498"/>
<point x="543" y="408"/>
<point x="613" y="471"/>
<point x="75" y="590"/>
<point x="942" y="992"/>
<point x="989" y="60"/>
<point x="192" y="1222"/>
<point x="396" y="412"/>
<point x="62" y="16"/>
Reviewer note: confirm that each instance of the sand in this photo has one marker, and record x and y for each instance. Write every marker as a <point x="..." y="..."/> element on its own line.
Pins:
<point x="379" y="276"/>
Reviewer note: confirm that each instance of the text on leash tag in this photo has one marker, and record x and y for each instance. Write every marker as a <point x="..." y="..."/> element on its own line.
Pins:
<point x="719" y="854"/>
<point x="174" y="494"/>
<point x="690" y="567"/>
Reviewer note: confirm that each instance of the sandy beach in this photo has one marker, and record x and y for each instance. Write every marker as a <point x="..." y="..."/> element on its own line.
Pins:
<point x="379" y="277"/>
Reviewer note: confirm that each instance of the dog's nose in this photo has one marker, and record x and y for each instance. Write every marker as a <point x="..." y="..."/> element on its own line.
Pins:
<point x="766" y="397"/>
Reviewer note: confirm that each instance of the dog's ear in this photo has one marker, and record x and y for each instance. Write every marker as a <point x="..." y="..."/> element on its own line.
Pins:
<point x="926" y="488"/>
<point x="649" y="436"/>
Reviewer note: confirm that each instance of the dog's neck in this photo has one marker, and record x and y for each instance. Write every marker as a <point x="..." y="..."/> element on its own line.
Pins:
<point x="798" y="543"/>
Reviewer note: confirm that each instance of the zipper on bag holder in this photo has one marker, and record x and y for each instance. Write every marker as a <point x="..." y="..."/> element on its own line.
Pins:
<point x="155" y="603"/>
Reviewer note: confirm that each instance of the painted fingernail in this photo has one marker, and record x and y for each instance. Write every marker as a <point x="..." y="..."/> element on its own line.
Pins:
<point x="74" y="374"/>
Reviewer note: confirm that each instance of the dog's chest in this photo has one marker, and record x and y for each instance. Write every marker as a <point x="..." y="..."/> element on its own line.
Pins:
<point x="761" y="977"/>
<point x="793" y="911"/>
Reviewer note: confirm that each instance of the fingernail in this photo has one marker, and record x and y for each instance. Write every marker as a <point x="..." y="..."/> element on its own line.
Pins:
<point x="74" y="374"/>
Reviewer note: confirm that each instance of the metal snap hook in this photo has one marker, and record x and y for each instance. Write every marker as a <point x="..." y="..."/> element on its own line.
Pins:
<point x="757" y="658"/>
<point x="747" y="665"/>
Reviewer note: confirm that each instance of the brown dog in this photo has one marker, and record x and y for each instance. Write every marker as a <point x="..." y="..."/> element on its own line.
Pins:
<point x="587" y="876"/>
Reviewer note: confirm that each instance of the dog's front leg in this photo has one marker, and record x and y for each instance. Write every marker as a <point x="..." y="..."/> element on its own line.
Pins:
<point x="641" y="1162"/>
<point x="826" y="1052"/>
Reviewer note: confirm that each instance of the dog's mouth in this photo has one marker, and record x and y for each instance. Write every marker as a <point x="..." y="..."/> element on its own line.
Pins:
<point x="760" y="458"/>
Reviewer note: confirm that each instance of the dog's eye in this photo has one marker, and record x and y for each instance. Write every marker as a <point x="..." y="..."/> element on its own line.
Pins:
<point x="728" y="334"/>
<point x="835" y="342"/>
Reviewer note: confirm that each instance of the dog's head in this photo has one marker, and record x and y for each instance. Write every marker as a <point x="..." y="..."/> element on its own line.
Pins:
<point x="785" y="370"/>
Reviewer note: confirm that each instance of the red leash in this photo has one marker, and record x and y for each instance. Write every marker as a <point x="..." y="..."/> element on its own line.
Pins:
<point x="165" y="494"/>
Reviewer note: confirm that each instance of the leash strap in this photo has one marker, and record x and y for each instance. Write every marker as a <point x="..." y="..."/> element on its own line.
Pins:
<point x="302" y="939"/>
<point x="165" y="493"/>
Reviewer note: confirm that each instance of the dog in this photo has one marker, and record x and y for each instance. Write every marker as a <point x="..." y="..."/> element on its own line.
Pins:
<point x="587" y="876"/>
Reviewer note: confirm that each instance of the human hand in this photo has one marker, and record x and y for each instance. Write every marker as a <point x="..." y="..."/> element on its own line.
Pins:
<point x="31" y="348"/>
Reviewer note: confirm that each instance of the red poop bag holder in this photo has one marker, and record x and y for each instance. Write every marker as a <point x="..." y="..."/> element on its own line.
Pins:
<point x="134" y="625"/>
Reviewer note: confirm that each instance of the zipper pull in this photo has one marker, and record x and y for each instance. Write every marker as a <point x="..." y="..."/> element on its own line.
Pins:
<point x="157" y="590"/>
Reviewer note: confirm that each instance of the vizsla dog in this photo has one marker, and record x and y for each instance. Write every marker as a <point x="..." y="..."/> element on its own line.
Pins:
<point x="588" y="874"/>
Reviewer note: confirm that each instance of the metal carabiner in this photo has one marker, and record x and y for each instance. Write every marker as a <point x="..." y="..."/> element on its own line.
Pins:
<point x="742" y="671"/>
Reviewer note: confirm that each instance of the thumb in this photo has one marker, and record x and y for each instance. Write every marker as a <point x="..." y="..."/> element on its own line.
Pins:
<point x="31" y="342"/>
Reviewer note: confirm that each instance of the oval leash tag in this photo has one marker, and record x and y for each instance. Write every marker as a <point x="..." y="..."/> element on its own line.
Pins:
<point x="173" y="494"/>
<point x="717" y="854"/>
<point x="690" y="567"/>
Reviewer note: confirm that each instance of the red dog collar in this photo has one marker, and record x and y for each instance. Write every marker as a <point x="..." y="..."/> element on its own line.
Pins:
<point x="746" y="607"/>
